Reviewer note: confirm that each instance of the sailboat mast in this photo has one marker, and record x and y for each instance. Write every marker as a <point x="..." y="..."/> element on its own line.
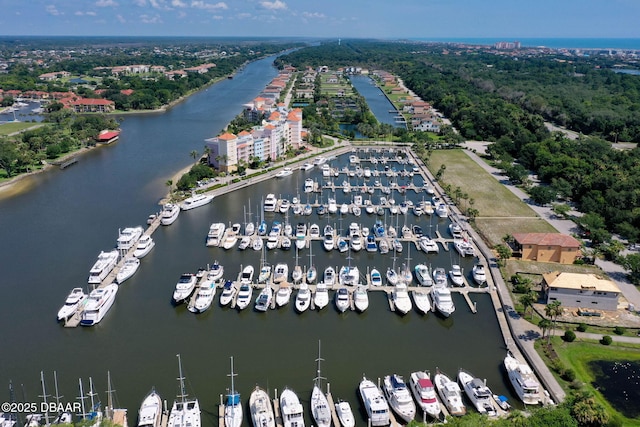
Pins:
<point x="182" y="394"/>
<point x="44" y="399"/>
<point x="109" y="409"/>
<point x="318" y="379"/>
<point x="232" y="401"/>
<point x="82" y="397"/>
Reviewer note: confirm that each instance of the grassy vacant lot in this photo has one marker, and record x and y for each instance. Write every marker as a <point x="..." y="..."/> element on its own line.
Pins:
<point x="501" y="212"/>
<point x="578" y="354"/>
<point x="12" y="127"/>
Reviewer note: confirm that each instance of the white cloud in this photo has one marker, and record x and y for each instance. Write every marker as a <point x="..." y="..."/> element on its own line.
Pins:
<point x="121" y="19"/>
<point x="273" y="5"/>
<point x="178" y="3"/>
<point x="141" y="3"/>
<point x="51" y="10"/>
<point x="313" y="15"/>
<point x="106" y="3"/>
<point x="147" y="19"/>
<point x="81" y="13"/>
<point x="199" y="4"/>
<point x="217" y="17"/>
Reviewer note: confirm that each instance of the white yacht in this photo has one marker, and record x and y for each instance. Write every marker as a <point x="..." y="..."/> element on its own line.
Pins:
<point x="285" y="204"/>
<point x="307" y="166"/>
<point x="301" y="235"/>
<point x="392" y="276"/>
<point x="215" y="234"/>
<point x="245" y="241"/>
<point x="244" y="296"/>
<point x="270" y="203"/>
<point x="283" y="295"/>
<point x="195" y="201"/>
<point x="320" y="161"/>
<point x="329" y="277"/>
<point x="425" y="393"/>
<point x="349" y="276"/>
<point x="479" y="275"/>
<point x="265" y="274"/>
<point x="184" y="288"/>
<point x="342" y="300"/>
<point x="233" y="405"/>
<point x="291" y="409"/>
<point x="361" y="298"/>
<point x="401" y="298"/>
<point x="343" y="246"/>
<point x="422" y="275"/>
<point x="328" y="241"/>
<point x="399" y="397"/>
<point x="246" y="277"/>
<point x="345" y="414"/>
<point x="98" y="304"/>
<point x="204" y="297"/>
<point x="455" y="230"/>
<point x="74" y="301"/>
<point x="376" y="277"/>
<point x="169" y="213"/>
<point x="523" y="380"/>
<point x="319" y="402"/>
<point x="326" y="170"/>
<point x="376" y="407"/>
<point x="284" y="172"/>
<point x="450" y="394"/>
<point x="229" y="291"/>
<point x="144" y="246"/>
<point x="442" y="300"/>
<point x="332" y="206"/>
<point x="128" y="237"/>
<point x="261" y="409"/>
<point x="428" y="245"/>
<point x="150" y="413"/>
<point x="303" y="298"/>
<point x="128" y="269"/>
<point x="422" y="301"/>
<point x="231" y="239"/>
<point x="321" y="297"/>
<point x="257" y="244"/>
<point x="441" y="210"/>
<point x="104" y="264"/>
<point x="184" y="412"/>
<point x="464" y="247"/>
<point x="439" y="277"/>
<point x="216" y="271"/>
<point x="309" y="185"/>
<point x="280" y="273"/>
<point x="263" y="302"/>
<point x="456" y="275"/>
<point x="478" y="393"/>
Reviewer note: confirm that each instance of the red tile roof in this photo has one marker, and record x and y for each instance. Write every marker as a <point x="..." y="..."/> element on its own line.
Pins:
<point x="105" y="136"/>
<point x="227" y="136"/>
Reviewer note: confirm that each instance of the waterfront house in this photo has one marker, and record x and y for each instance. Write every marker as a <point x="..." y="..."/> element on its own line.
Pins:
<point x="546" y="247"/>
<point x="584" y="291"/>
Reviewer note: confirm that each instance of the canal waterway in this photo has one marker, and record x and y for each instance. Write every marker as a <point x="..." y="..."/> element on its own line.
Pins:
<point x="378" y="103"/>
<point x="52" y="234"/>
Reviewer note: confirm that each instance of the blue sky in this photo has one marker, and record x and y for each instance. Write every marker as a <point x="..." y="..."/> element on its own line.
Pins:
<point x="509" y="19"/>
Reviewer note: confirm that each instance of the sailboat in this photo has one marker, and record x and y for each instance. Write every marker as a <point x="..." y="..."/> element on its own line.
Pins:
<point x="94" y="417"/>
<point x="312" y="273"/>
<point x="319" y="403"/>
<point x="117" y="416"/>
<point x="184" y="412"/>
<point x="233" y="407"/>
<point x="63" y="417"/>
<point x="296" y="275"/>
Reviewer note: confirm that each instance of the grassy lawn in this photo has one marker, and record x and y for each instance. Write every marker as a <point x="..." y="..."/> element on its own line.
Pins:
<point x="578" y="354"/>
<point x="11" y="127"/>
<point x="494" y="229"/>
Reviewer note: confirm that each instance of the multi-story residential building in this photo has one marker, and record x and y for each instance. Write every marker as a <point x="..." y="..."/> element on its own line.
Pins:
<point x="586" y="291"/>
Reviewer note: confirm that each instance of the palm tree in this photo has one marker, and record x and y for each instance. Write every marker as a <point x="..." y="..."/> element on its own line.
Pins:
<point x="194" y="154"/>
<point x="527" y="300"/>
<point x="553" y="310"/>
<point x="169" y="184"/>
<point x="545" y="325"/>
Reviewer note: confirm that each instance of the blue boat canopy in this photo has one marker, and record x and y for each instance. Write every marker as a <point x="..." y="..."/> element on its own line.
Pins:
<point x="233" y="399"/>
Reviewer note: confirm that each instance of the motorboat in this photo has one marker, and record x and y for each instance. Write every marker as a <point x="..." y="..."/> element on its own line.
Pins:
<point x="284" y="206"/>
<point x="345" y="414"/>
<point x="455" y="230"/>
<point x="288" y="229"/>
<point x="128" y="269"/>
<point x="184" y="288"/>
<point x="280" y="273"/>
<point x="128" y="237"/>
<point x="356" y="210"/>
<point x="307" y="210"/>
<point x="301" y="235"/>
<point x="257" y="244"/>
<point x="261" y="409"/>
<point x="312" y="274"/>
<point x="439" y="277"/>
<point x="263" y="302"/>
<point x="383" y="246"/>
<point x="372" y="246"/>
<point x="303" y="298"/>
<point x="422" y="301"/>
<point x="379" y="229"/>
<point x="74" y="301"/>
<point x="169" y="213"/>
<point x="321" y="296"/>
<point x="401" y="298"/>
<point x="262" y="228"/>
<point x="355" y="242"/>
<point x="285" y="243"/>
<point x="375" y="405"/>
<point x="397" y="245"/>
<point x="230" y="240"/>
<point x="246" y="277"/>
<point x="523" y="380"/>
<point x="150" y="413"/>
<point x="215" y="234"/>
<point x="104" y="264"/>
<point x="442" y="301"/>
<point x="184" y="412"/>
<point x="320" y="161"/>
<point x="450" y="394"/>
<point x="283" y="295"/>
<point x="321" y="210"/>
<point x="417" y="231"/>
<point x="344" y="208"/>
<point x="269" y="204"/>
<point x="245" y="241"/>
<point x="98" y="304"/>
<point x="361" y="298"/>
<point x="215" y="271"/>
<point x="291" y="409"/>
<point x="478" y="393"/>
<point x="423" y="276"/>
<point x="314" y="231"/>
<point x="233" y="405"/>
<point x="329" y="277"/>
<point x="229" y="291"/>
<point x="306" y="167"/>
<point x="195" y="201"/>
<point x="441" y="210"/>
<point x="456" y="275"/>
<point x="326" y="171"/>
<point x="464" y="248"/>
<point x="479" y="275"/>
<point x="319" y="402"/>
<point x="342" y="300"/>
<point x="398" y="396"/>
<point x="204" y="296"/>
<point x="343" y="246"/>
<point x="249" y="229"/>
<point x="272" y="241"/>
<point x="349" y="276"/>
<point x="376" y="277"/>
<point x="309" y="185"/>
<point x="425" y="394"/>
<point x="392" y="276"/>
<point x="144" y="246"/>
<point x="406" y="232"/>
<point x="428" y="245"/>
<point x="244" y="296"/>
<point x="284" y="172"/>
<point x="332" y="206"/>
<point x="265" y="274"/>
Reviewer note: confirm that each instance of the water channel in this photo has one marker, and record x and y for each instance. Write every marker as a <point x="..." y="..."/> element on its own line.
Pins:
<point x="52" y="234"/>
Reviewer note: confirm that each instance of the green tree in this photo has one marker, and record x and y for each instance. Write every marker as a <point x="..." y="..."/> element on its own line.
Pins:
<point x="561" y="209"/>
<point x="527" y="300"/>
<point x="504" y="253"/>
<point x="586" y="410"/>
<point x="542" y="194"/>
<point x="545" y="325"/>
<point x="553" y="310"/>
<point x="631" y="262"/>
<point x="194" y="154"/>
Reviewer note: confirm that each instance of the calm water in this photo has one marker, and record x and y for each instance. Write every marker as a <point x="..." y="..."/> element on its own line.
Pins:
<point x="378" y="103"/>
<point x="51" y="235"/>
<point x="619" y="383"/>
<point x="558" y="43"/>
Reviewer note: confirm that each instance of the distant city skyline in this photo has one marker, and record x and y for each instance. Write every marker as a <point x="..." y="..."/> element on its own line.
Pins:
<point x="506" y="19"/>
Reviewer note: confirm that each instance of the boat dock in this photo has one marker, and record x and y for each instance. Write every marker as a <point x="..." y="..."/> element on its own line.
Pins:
<point x="277" y="414"/>
<point x="332" y="407"/>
